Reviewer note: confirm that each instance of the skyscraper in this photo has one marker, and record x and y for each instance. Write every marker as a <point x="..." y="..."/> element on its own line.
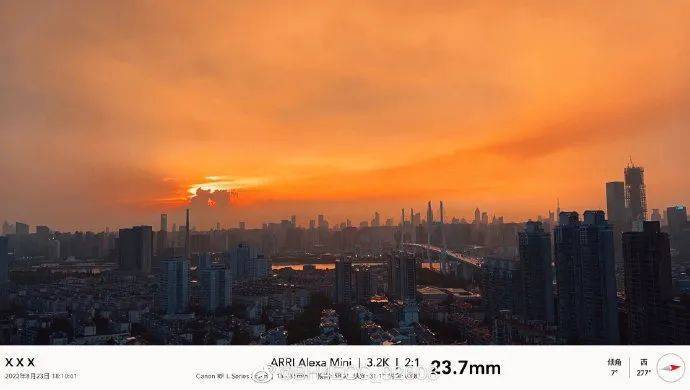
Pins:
<point x="568" y="276"/>
<point x="647" y="258"/>
<point x="402" y="277"/>
<point x="135" y="249"/>
<point x="429" y="225"/>
<point x="376" y="222"/>
<point x="615" y="204"/>
<point x="444" y="252"/>
<point x="362" y="284"/>
<point x="187" y="244"/>
<point x="393" y="277"/>
<point x="635" y="193"/>
<point x="585" y="275"/>
<point x="21" y="228"/>
<point x="536" y="271"/>
<point x="677" y="217"/>
<point x="343" y="281"/>
<point x="215" y="286"/>
<point x="413" y="228"/>
<point x="500" y="286"/>
<point x="402" y="228"/>
<point x="162" y="235"/>
<point x="164" y="223"/>
<point x="173" y="286"/>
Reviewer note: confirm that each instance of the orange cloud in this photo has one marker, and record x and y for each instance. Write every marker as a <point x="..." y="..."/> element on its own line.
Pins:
<point x="336" y="107"/>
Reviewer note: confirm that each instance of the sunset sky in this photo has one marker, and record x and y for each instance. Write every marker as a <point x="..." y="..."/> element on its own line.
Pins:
<point x="113" y="113"/>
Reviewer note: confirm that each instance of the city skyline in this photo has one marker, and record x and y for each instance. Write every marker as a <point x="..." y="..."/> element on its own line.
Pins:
<point x="213" y="218"/>
<point x="122" y="119"/>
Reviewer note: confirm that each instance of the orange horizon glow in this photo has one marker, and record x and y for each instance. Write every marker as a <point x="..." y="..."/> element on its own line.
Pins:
<point x="113" y="113"/>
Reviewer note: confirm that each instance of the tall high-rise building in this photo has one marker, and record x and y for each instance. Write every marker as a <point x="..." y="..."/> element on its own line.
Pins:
<point x="647" y="259"/>
<point x="677" y="218"/>
<point x="413" y="228"/>
<point x="444" y="246"/>
<point x="618" y="216"/>
<point x="568" y="276"/>
<point x="162" y="235"/>
<point x="585" y="275"/>
<point x="500" y="286"/>
<point x="21" y="228"/>
<point x="173" y="285"/>
<point x="4" y="260"/>
<point x="393" y="277"/>
<point x="187" y="244"/>
<point x="164" y="223"/>
<point x="402" y="277"/>
<point x="376" y="221"/>
<point x="615" y="203"/>
<point x="402" y="228"/>
<point x="362" y="284"/>
<point x="215" y="286"/>
<point x="343" y="281"/>
<point x="635" y="193"/>
<point x="135" y="249"/>
<point x="537" y="274"/>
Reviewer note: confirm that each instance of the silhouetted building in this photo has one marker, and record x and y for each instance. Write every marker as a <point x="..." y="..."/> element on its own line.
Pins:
<point x="376" y="222"/>
<point x="500" y="286"/>
<point x="585" y="275"/>
<point x="21" y="228"/>
<point x="393" y="277"/>
<point x="402" y="277"/>
<point x="615" y="203"/>
<point x="162" y="236"/>
<point x="215" y="284"/>
<point x="173" y="286"/>
<point x="635" y="194"/>
<point x="135" y="249"/>
<point x="343" y="281"/>
<point x="677" y="217"/>
<point x="362" y="283"/>
<point x="647" y="257"/>
<point x="187" y="243"/>
<point x="537" y="275"/>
